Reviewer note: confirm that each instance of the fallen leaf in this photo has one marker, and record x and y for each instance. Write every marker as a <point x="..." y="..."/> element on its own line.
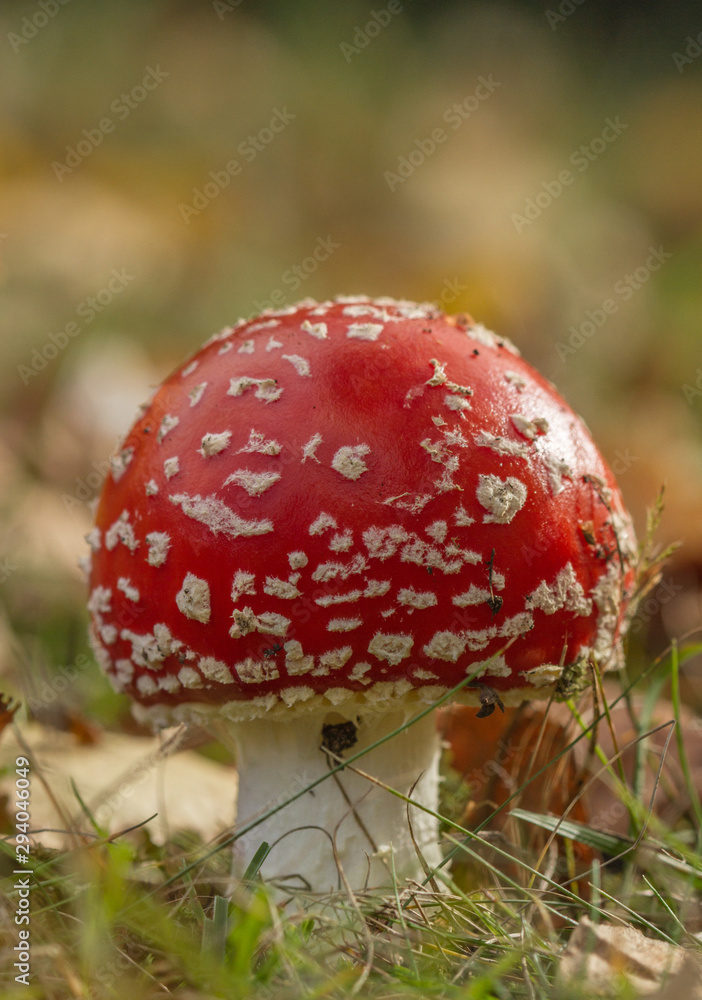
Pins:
<point x="123" y="780"/>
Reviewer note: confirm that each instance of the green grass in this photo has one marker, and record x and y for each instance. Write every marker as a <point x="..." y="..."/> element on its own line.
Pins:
<point x="121" y="917"/>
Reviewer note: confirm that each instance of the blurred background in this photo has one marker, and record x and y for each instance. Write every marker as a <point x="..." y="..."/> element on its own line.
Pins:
<point x="169" y="167"/>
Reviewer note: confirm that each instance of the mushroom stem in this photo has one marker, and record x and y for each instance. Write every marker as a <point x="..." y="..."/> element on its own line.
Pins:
<point x="368" y="824"/>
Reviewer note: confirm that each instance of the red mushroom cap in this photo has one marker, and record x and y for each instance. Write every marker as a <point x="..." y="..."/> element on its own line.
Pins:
<point x="355" y="501"/>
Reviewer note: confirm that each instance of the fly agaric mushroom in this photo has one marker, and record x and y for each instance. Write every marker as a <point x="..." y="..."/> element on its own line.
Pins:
<point x="325" y="520"/>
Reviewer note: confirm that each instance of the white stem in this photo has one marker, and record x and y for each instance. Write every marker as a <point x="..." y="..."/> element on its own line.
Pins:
<point x="369" y="825"/>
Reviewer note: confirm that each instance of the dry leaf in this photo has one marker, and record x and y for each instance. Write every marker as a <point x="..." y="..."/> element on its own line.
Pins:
<point x="123" y="780"/>
<point x="599" y="956"/>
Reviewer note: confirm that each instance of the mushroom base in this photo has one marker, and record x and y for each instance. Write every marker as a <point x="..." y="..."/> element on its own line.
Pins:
<point x="347" y="821"/>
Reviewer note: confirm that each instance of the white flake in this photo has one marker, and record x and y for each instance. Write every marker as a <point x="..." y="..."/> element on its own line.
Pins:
<point x="358" y="671"/>
<point x="189" y="369"/>
<point x="146" y="685"/>
<point x="489" y="339"/>
<point x="257" y="443"/>
<point x="425" y="675"/>
<point x="364" y="331"/>
<point x="247" y="347"/>
<point x="364" y="309"/>
<point x="376" y="588"/>
<point x="152" y="649"/>
<point x="343" y="624"/>
<point x="297" y="559"/>
<point x="565" y="592"/>
<point x="280" y="588"/>
<point x="384" y="542"/>
<point x="309" y="449"/>
<point x="225" y="348"/>
<point x="93" y="538"/>
<point x="393" y="648"/>
<point x="331" y="570"/>
<point x="266" y="324"/>
<point x="120" y="461"/>
<point x="557" y="469"/>
<point x="438" y="531"/>
<point x="121" y="531"/>
<point x="495" y="666"/>
<point x="329" y="599"/>
<point x="517" y="625"/>
<point x="524" y="425"/>
<point x="189" y="678"/>
<point x="193" y="598"/>
<point x="318" y="330"/>
<point x="212" y="444"/>
<point x="151" y="488"/>
<point x="125" y="669"/>
<point x="335" y="659"/>
<point x="348" y="460"/>
<point x="474" y="595"/>
<point x="252" y="671"/>
<point x="321" y="523"/>
<point x="215" y="670"/>
<point x="342" y="542"/>
<point x="167" y="425"/>
<point x="266" y="388"/>
<point x="502" y="498"/>
<point x="195" y="394"/>
<point x="516" y="380"/>
<point x="462" y="518"/>
<point x="125" y="585"/>
<point x="271" y="623"/>
<point x="245" y="622"/>
<point x="479" y="638"/>
<point x="445" y="646"/>
<point x="456" y="403"/>
<point x="171" y="467"/>
<point x="255" y="483"/>
<point x="273" y="344"/>
<point x="169" y="683"/>
<point x="211" y="512"/>
<point x="243" y="584"/>
<point x="99" y="601"/>
<point x="301" y="365"/>
<point x="501" y="445"/>
<point x="417" y="599"/>
<point x="295" y="660"/>
<point x="291" y="696"/>
<point x="159" y="543"/>
<point x="420" y="552"/>
<point x="414" y="504"/>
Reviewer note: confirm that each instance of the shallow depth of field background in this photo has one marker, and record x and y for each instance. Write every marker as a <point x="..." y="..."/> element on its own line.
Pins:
<point x="102" y="177"/>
